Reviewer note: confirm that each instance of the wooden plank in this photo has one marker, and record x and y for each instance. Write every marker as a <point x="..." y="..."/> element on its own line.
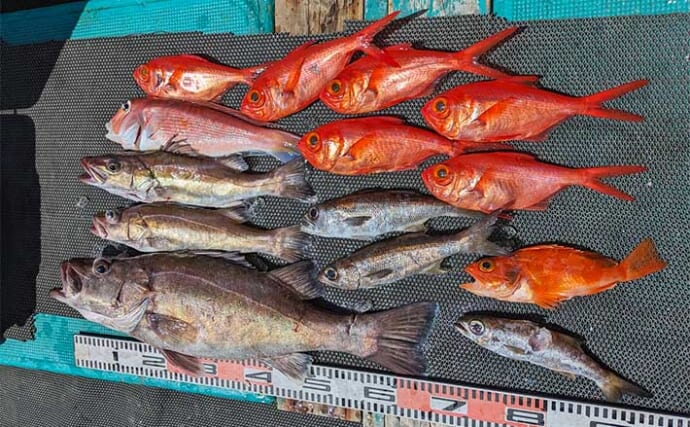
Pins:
<point x="315" y="16"/>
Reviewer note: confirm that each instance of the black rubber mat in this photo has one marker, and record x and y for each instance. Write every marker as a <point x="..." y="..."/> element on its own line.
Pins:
<point x="640" y="329"/>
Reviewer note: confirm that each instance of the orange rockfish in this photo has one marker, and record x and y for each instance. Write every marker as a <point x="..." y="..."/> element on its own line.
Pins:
<point x="375" y="144"/>
<point x="489" y="182"/>
<point x="514" y="109"/>
<point x="368" y="85"/>
<point x="291" y="84"/>
<point x="191" y="77"/>
<point x="547" y="275"/>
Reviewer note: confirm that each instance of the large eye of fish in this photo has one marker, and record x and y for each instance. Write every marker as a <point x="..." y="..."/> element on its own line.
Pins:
<point x="440" y="107"/>
<point x="313" y="141"/>
<point x="313" y="213"/>
<point x="442" y="175"/>
<point x="101" y="266"/>
<point x="113" y="165"/>
<point x="486" y="266"/>
<point x="330" y="273"/>
<point x="111" y="216"/>
<point x="144" y="72"/>
<point x="126" y="106"/>
<point x="335" y="87"/>
<point x="255" y="97"/>
<point x="476" y="327"/>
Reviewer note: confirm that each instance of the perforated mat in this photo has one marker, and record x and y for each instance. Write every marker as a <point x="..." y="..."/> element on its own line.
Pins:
<point x="640" y="329"/>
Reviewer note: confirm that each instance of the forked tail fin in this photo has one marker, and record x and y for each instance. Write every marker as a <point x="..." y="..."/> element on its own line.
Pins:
<point x="590" y="178"/>
<point x="467" y="58"/>
<point x="614" y="387"/>
<point x="593" y="107"/>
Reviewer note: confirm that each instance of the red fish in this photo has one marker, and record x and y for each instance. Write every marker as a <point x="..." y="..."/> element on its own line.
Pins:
<point x="374" y="144"/>
<point x="368" y="85"/>
<point x="191" y="77"/>
<point x="294" y="82"/>
<point x="546" y="275"/>
<point x="514" y="109"/>
<point x="509" y="180"/>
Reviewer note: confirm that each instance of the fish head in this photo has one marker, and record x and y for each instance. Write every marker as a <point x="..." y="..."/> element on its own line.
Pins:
<point x="494" y="277"/>
<point x="118" y="173"/>
<point x="341" y="274"/>
<point x="450" y="180"/>
<point x="326" y="219"/>
<point x="507" y="337"/>
<point x="127" y="226"/>
<point x="103" y="290"/>
<point x="447" y="115"/>
<point x="149" y="77"/>
<point x="481" y="329"/>
<point x="126" y="126"/>
<point x="321" y="147"/>
<point x="345" y="93"/>
<point x="264" y="102"/>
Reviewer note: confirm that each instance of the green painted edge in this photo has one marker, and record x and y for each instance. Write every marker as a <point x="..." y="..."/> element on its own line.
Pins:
<point x="107" y="18"/>
<point x="52" y="350"/>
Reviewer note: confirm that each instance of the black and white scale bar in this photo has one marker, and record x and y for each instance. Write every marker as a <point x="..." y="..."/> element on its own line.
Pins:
<point x="376" y="393"/>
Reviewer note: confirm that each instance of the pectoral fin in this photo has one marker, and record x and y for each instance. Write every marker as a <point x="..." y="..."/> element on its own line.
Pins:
<point x="295" y="365"/>
<point x="495" y="110"/>
<point x="516" y="350"/>
<point x="188" y="365"/>
<point x="356" y="221"/>
<point x="380" y="275"/>
<point x="171" y="328"/>
<point x="436" y="268"/>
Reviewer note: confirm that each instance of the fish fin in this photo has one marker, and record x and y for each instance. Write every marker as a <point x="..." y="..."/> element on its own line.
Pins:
<point x="642" y="261"/>
<point x="234" y="257"/>
<point x="516" y="350"/>
<point x="417" y="228"/>
<point x="401" y="335"/>
<point x="251" y="73"/>
<point x="522" y="80"/>
<point x="179" y="146"/>
<point x="435" y="268"/>
<point x="497" y="109"/>
<point x="476" y="237"/>
<point x="614" y="387"/>
<point x="298" y="279"/>
<point x="461" y="147"/>
<point x="590" y="178"/>
<point x="381" y="274"/>
<point x="238" y="211"/>
<point x="290" y="243"/>
<point x="549" y="298"/>
<point x="295" y="366"/>
<point x="169" y="327"/>
<point x="357" y="221"/>
<point x="360" y="149"/>
<point x="540" y="137"/>
<point x="359" y="306"/>
<point x="592" y="103"/>
<point x="235" y="162"/>
<point x="183" y="364"/>
<point x="467" y="58"/>
<point x="293" y="77"/>
<point x="540" y="340"/>
<point x="566" y="374"/>
<point x="175" y="77"/>
<point x="539" y="206"/>
<point x="294" y="185"/>
<point x="366" y="35"/>
<point x="284" y="156"/>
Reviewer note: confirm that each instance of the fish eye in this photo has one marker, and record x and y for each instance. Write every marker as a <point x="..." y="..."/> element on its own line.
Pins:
<point x="144" y="71"/>
<point x="101" y="266"/>
<point x="313" y="140"/>
<point x="335" y="87"/>
<point x="330" y="273"/>
<point x="127" y="106"/>
<point x="313" y="213"/>
<point x="440" y="105"/>
<point x="442" y="175"/>
<point x="111" y="216"/>
<point x="477" y="327"/>
<point x="113" y="165"/>
<point x="486" y="266"/>
<point x="255" y="97"/>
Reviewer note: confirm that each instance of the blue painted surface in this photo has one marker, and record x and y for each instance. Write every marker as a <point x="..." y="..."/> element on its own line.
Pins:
<point x="375" y="9"/>
<point x="523" y="10"/>
<point x="53" y="350"/>
<point x="107" y="18"/>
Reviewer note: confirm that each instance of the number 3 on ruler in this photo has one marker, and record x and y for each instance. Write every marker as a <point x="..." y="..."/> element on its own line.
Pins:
<point x="525" y="417"/>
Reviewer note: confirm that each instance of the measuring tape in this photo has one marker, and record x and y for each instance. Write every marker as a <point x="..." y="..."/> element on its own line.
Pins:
<point x="413" y="398"/>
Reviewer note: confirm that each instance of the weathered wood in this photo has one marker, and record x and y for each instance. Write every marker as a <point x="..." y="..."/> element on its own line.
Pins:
<point x="315" y="16"/>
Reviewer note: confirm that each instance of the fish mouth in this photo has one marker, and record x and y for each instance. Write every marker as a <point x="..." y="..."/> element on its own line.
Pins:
<point x="99" y="228"/>
<point x="92" y="175"/>
<point x="461" y="326"/>
<point x="70" y="278"/>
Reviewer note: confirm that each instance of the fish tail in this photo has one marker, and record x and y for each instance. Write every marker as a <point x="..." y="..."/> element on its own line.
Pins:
<point x="614" y="387"/>
<point x="290" y="243"/>
<point x="467" y="58"/>
<point x="285" y="155"/>
<point x="592" y="178"/>
<point x="642" y="261"/>
<point x="365" y="37"/>
<point x="476" y="238"/>
<point x="400" y="335"/>
<point x="593" y="107"/>
<point x="250" y="74"/>
<point x="291" y="181"/>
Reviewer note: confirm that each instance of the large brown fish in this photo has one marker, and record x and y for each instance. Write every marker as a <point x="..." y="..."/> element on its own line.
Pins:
<point x="367" y="214"/>
<point x="164" y="227"/>
<point x="165" y="177"/>
<point x="418" y="253"/>
<point x="527" y="341"/>
<point x="194" y="307"/>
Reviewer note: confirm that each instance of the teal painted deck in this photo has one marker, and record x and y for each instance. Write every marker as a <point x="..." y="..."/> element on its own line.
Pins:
<point x="53" y="350"/>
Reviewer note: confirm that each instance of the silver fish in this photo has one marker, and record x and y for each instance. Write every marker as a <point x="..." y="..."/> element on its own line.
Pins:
<point x="367" y="214"/>
<point x="530" y="342"/>
<point x="418" y="253"/>
<point x="165" y="177"/>
<point x="193" y="307"/>
<point x="162" y="227"/>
